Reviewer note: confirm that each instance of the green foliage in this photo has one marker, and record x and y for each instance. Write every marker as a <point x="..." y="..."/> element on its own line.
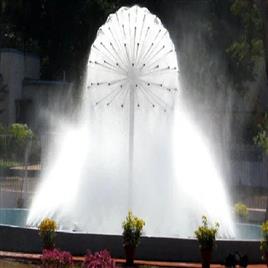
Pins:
<point x="247" y="49"/>
<point x="264" y="228"/>
<point x="241" y="50"/>
<point x="132" y="229"/>
<point x="20" y="132"/>
<point x="47" y="229"/>
<point x="206" y="235"/>
<point x="261" y="138"/>
<point x="249" y="14"/>
<point x="18" y="139"/>
<point x="264" y="242"/>
<point x="241" y="210"/>
<point x="15" y="142"/>
<point x="17" y="131"/>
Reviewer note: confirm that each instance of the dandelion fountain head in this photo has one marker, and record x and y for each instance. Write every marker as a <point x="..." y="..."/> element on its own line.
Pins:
<point x="133" y="53"/>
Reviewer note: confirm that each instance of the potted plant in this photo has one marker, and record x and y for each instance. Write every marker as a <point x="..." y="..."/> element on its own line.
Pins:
<point x="264" y="242"/>
<point x="132" y="230"/>
<point x="206" y="236"/>
<point x="241" y="211"/>
<point x="47" y="229"/>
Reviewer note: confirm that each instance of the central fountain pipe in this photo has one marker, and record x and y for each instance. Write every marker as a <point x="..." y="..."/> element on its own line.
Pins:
<point x="131" y="146"/>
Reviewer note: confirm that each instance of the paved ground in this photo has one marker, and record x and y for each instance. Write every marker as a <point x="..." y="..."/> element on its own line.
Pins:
<point x="36" y="257"/>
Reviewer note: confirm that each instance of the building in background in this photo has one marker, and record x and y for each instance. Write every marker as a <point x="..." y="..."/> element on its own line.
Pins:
<point x="24" y="98"/>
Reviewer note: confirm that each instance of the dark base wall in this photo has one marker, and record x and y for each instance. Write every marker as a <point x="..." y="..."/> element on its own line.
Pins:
<point x="150" y="248"/>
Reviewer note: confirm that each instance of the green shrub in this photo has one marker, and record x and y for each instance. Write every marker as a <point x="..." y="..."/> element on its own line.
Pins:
<point x="241" y="210"/>
<point x="206" y="235"/>
<point x="47" y="229"/>
<point x="132" y="230"/>
<point x="264" y="242"/>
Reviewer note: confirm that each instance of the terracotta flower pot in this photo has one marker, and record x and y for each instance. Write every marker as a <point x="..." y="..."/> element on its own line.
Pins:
<point x="206" y="257"/>
<point x="130" y="254"/>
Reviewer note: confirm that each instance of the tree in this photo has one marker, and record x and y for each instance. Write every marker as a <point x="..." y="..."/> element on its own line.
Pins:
<point x="14" y="141"/>
<point x="247" y="51"/>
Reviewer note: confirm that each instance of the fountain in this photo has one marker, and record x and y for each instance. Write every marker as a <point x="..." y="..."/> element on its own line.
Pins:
<point x="134" y="146"/>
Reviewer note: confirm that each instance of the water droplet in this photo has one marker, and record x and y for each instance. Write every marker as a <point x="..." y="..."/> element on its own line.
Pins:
<point x="122" y="105"/>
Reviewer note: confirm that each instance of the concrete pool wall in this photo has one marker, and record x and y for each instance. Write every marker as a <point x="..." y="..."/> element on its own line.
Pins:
<point x="20" y="239"/>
